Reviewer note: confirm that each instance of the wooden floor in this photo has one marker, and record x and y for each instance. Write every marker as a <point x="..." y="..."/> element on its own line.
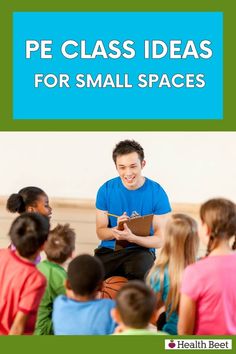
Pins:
<point x="80" y="214"/>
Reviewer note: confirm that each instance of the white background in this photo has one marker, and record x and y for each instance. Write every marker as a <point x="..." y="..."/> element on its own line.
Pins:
<point x="191" y="166"/>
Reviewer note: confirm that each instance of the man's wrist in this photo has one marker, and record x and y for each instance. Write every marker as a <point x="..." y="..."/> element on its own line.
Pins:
<point x="132" y="238"/>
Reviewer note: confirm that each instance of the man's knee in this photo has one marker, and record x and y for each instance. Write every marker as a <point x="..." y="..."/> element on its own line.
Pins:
<point x="138" y="265"/>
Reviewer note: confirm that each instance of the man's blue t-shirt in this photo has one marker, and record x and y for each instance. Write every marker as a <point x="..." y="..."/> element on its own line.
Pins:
<point x="71" y="317"/>
<point x="115" y="198"/>
<point x="171" y="323"/>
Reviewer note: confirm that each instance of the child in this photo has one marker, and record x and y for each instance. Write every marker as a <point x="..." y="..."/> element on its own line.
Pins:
<point x="58" y="248"/>
<point x="29" y="199"/>
<point x="135" y="305"/>
<point x="179" y="250"/>
<point x="208" y="292"/>
<point x="79" y="312"/>
<point x="22" y="285"/>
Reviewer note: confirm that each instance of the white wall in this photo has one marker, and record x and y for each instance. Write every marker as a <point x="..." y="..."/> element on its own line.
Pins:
<point x="191" y="166"/>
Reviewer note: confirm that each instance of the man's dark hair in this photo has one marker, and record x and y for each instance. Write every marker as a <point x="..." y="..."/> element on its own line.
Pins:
<point x="28" y="233"/>
<point x="85" y="274"/>
<point x="60" y="243"/>
<point x="136" y="303"/>
<point x="127" y="147"/>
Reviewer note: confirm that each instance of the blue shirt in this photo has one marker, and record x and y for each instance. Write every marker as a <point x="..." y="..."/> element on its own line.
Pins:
<point x="71" y="317"/>
<point x="171" y="323"/>
<point x="115" y="198"/>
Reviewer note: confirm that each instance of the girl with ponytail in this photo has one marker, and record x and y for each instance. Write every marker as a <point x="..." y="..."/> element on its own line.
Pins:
<point x="179" y="250"/>
<point x="31" y="200"/>
<point x="208" y="292"/>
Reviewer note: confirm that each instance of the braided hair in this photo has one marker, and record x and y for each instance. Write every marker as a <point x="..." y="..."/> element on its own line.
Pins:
<point x="220" y="216"/>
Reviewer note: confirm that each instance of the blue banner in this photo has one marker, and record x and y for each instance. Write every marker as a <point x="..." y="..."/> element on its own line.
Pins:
<point x="118" y="65"/>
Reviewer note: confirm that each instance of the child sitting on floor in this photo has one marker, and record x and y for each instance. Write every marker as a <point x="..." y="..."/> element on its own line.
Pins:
<point x="208" y="292"/>
<point x="58" y="248"/>
<point x="79" y="312"/>
<point x="22" y="285"/>
<point x="29" y="199"/>
<point x="32" y="200"/>
<point x="135" y="306"/>
<point x="179" y="250"/>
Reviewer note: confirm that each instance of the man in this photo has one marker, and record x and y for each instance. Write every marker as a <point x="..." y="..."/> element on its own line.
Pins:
<point x="127" y="195"/>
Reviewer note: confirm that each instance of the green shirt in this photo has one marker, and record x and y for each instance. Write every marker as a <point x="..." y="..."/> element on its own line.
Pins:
<point x="56" y="276"/>
<point x="140" y="332"/>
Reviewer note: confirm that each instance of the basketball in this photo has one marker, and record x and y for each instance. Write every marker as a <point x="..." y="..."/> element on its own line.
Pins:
<point x="111" y="286"/>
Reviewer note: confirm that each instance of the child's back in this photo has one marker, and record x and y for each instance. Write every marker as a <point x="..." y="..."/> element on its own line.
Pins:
<point x="80" y="313"/>
<point x="55" y="276"/>
<point x="135" y="306"/>
<point x="58" y="248"/>
<point x="179" y="250"/>
<point x="22" y="285"/>
<point x="92" y="317"/>
<point x="171" y="319"/>
<point x="20" y="280"/>
<point x="141" y="332"/>
<point x="211" y="281"/>
<point x="208" y="292"/>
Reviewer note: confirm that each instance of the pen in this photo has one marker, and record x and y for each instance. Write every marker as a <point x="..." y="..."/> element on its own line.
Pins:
<point x="109" y="214"/>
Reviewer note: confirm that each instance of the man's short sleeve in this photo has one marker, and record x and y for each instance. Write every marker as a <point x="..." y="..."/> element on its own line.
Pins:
<point x="33" y="292"/>
<point x="101" y="200"/>
<point x="162" y="204"/>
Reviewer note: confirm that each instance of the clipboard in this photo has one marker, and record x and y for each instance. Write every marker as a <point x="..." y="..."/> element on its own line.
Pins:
<point x="139" y="225"/>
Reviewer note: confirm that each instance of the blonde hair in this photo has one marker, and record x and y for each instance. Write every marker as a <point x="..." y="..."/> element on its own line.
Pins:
<point x="179" y="250"/>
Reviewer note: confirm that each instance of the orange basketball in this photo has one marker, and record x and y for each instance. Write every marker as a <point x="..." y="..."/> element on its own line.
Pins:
<point x="111" y="286"/>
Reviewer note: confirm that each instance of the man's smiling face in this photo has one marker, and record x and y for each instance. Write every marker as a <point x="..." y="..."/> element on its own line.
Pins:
<point x="130" y="168"/>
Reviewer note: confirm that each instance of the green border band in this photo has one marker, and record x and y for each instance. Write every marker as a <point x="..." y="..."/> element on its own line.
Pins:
<point x="100" y="344"/>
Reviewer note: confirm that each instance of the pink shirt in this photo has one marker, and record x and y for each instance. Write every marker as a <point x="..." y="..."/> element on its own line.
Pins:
<point x="21" y="289"/>
<point x="211" y="283"/>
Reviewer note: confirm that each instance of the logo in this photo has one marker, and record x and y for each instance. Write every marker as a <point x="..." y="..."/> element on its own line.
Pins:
<point x="198" y="344"/>
<point x="171" y="344"/>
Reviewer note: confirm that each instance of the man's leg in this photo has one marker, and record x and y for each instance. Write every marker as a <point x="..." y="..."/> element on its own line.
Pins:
<point x="137" y="262"/>
<point x="112" y="261"/>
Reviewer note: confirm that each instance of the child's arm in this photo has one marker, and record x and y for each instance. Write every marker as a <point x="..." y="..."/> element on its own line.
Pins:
<point x="160" y="302"/>
<point x="160" y="308"/>
<point x="187" y="315"/>
<point x="19" y="323"/>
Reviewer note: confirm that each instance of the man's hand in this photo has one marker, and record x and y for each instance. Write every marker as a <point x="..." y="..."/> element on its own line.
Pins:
<point x="125" y="234"/>
<point x="123" y="217"/>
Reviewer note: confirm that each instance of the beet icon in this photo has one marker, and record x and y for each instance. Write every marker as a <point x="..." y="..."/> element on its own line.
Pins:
<point x="171" y="344"/>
